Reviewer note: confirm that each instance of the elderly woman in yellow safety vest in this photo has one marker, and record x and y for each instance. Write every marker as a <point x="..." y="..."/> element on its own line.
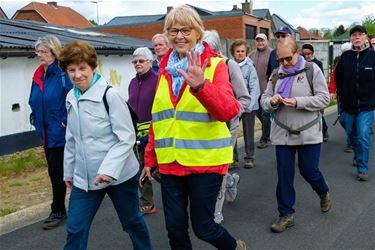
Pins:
<point x="188" y="137"/>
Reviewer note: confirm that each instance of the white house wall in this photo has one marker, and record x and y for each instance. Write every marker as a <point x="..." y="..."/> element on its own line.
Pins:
<point x="15" y="84"/>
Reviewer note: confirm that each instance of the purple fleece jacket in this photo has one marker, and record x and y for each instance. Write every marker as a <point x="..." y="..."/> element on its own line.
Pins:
<point x="141" y="94"/>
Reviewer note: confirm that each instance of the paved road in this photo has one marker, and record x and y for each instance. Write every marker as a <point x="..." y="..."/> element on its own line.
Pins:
<point x="349" y="225"/>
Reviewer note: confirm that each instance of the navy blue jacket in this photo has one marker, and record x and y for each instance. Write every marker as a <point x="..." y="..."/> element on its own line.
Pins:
<point x="355" y="80"/>
<point x="47" y="103"/>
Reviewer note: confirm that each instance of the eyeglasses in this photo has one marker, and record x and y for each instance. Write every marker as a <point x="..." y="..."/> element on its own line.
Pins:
<point x="287" y="59"/>
<point x="278" y="36"/>
<point x="184" y="31"/>
<point x="141" y="61"/>
<point x="37" y="52"/>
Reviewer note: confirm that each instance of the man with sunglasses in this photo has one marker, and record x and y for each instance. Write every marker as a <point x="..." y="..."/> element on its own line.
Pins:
<point x="280" y="35"/>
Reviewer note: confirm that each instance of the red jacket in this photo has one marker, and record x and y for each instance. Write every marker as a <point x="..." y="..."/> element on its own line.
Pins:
<point x="219" y="101"/>
<point x="332" y="82"/>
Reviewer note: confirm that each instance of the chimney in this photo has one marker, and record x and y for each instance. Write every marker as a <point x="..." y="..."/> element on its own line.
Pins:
<point x="169" y="8"/>
<point x="247" y="7"/>
<point x="54" y="4"/>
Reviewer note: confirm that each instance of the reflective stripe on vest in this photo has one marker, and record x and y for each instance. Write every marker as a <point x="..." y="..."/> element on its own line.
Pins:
<point x="142" y="129"/>
<point x="188" y="134"/>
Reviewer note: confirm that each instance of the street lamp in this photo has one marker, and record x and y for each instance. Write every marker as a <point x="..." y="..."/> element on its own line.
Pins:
<point x="97" y="11"/>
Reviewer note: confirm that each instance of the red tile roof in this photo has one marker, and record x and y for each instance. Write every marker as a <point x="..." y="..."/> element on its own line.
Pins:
<point x="55" y="14"/>
<point x="305" y="35"/>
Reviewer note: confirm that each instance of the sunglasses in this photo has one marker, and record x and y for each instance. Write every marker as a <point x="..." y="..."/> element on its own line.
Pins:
<point x="281" y="35"/>
<point x="184" y="31"/>
<point x="287" y="59"/>
<point x="141" y="61"/>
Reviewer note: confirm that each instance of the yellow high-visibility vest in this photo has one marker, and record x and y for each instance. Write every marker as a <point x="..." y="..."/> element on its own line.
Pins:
<point x="188" y="134"/>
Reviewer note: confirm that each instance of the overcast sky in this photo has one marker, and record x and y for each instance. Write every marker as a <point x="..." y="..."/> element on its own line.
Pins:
<point x="308" y="14"/>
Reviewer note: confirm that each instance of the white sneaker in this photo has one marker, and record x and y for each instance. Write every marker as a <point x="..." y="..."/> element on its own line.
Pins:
<point x="232" y="183"/>
<point x="218" y="218"/>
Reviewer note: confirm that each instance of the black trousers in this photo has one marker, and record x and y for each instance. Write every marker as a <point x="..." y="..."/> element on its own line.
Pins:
<point x="55" y="162"/>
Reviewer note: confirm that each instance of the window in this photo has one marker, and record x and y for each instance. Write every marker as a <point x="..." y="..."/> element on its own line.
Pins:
<point x="250" y="32"/>
<point x="264" y="31"/>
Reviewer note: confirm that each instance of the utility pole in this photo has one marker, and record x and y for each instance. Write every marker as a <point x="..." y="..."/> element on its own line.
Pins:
<point x="97" y="11"/>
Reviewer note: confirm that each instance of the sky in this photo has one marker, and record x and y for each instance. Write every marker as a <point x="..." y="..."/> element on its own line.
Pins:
<point x="308" y="14"/>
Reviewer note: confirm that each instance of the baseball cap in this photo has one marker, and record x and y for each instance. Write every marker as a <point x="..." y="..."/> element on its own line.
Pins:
<point x="283" y="30"/>
<point x="359" y="28"/>
<point x="261" y="36"/>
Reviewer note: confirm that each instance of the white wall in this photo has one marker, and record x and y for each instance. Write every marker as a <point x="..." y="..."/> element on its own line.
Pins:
<point x="15" y="85"/>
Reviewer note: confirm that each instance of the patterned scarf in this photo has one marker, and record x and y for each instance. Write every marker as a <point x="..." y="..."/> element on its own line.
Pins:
<point x="175" y="63"/>
<point x="285" y="86"/>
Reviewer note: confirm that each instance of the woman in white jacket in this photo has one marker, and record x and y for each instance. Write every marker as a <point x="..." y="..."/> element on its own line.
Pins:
<point x="99" y="156"/>
<point x="296" y="129"/>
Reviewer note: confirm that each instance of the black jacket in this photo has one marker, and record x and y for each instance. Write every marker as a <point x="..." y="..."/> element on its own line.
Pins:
<point x="355" y="80"/>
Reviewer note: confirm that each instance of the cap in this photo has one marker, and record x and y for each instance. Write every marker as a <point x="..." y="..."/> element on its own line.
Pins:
<point x="308" y="46"/>
<point x="359" y="28"/>
<point x="261" y="36"/>
<point x="283" y="30"/>
<point x="346" y="46"/>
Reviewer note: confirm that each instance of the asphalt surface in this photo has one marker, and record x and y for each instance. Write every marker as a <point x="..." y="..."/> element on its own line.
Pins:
<point x="349" y="225"/>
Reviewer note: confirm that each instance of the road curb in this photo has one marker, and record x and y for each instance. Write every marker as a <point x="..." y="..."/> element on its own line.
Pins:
<point x="30" y="215"/>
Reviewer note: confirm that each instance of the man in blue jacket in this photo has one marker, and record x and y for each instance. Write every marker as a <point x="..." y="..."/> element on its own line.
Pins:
<point x="355" y="80"/>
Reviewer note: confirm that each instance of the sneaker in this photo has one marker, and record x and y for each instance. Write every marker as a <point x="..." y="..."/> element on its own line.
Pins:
<point x="325" y="203"/>
<point x="148" y="209"/>
<point x="231" y="189"/>
<point x="262" y="144"/>
<point x="219" y="218"/>
<point x="249" y="163"/>
<point x="348" y="149"/>
<point x="362" y="176"/>
<point x="325" y="137"/>
<point x="240" y="245"/>
<point x="53" y="220"/>
<point x="283" y="223"/>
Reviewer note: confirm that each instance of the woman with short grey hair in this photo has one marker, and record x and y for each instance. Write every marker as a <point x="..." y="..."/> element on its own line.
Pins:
<point x="47" y="102"/>
<point x="141" y="96"/>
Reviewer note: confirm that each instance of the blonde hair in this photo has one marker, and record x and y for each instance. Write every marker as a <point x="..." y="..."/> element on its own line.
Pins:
<point x="288" y="42"/>
<point x="184" y="15"/>
<point x="51" y="42"/>
<point x="165" y="38"/>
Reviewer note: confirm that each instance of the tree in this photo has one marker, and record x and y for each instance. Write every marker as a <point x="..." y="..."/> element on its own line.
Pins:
<point x="369" y="23"/>
<point x="93" y="22"/>
<point x="339" y="31"/>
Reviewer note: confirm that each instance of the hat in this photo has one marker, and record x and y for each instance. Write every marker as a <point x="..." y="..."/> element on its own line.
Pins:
<point x="359" y="28"/>
<point x="308" y="46"/>
<point x="346" y="46"/>
<point x="261" y="36"/>
<point x="283" y="30"/>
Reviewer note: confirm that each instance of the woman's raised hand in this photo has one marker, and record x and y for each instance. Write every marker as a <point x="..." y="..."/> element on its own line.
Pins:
<point x="195" y="76"/>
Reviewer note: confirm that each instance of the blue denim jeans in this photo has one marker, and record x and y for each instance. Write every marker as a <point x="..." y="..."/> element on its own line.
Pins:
<point x="308" y="164"/>
<point x="359" y="125"/>
<point x="201" y="191"/>
<point x="84" y="205"/>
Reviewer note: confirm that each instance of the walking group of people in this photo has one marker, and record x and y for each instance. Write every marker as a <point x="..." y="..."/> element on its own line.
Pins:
<point x="188" y="104"/>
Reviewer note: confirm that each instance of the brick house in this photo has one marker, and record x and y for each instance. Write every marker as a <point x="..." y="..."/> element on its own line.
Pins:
<point x="306" y="35"/>
<point x="243" y="23"/>
<point x="52" y="13"/>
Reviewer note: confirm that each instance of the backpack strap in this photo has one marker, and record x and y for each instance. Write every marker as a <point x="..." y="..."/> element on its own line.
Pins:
<point x="105" y="98"/>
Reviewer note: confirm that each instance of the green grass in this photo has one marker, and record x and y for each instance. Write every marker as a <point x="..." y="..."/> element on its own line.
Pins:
<point x="22" y="161"/>
<point x="5" y="211"/>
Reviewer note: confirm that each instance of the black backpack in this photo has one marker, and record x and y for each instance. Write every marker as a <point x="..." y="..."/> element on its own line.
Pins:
<point x="132" y="112"/>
